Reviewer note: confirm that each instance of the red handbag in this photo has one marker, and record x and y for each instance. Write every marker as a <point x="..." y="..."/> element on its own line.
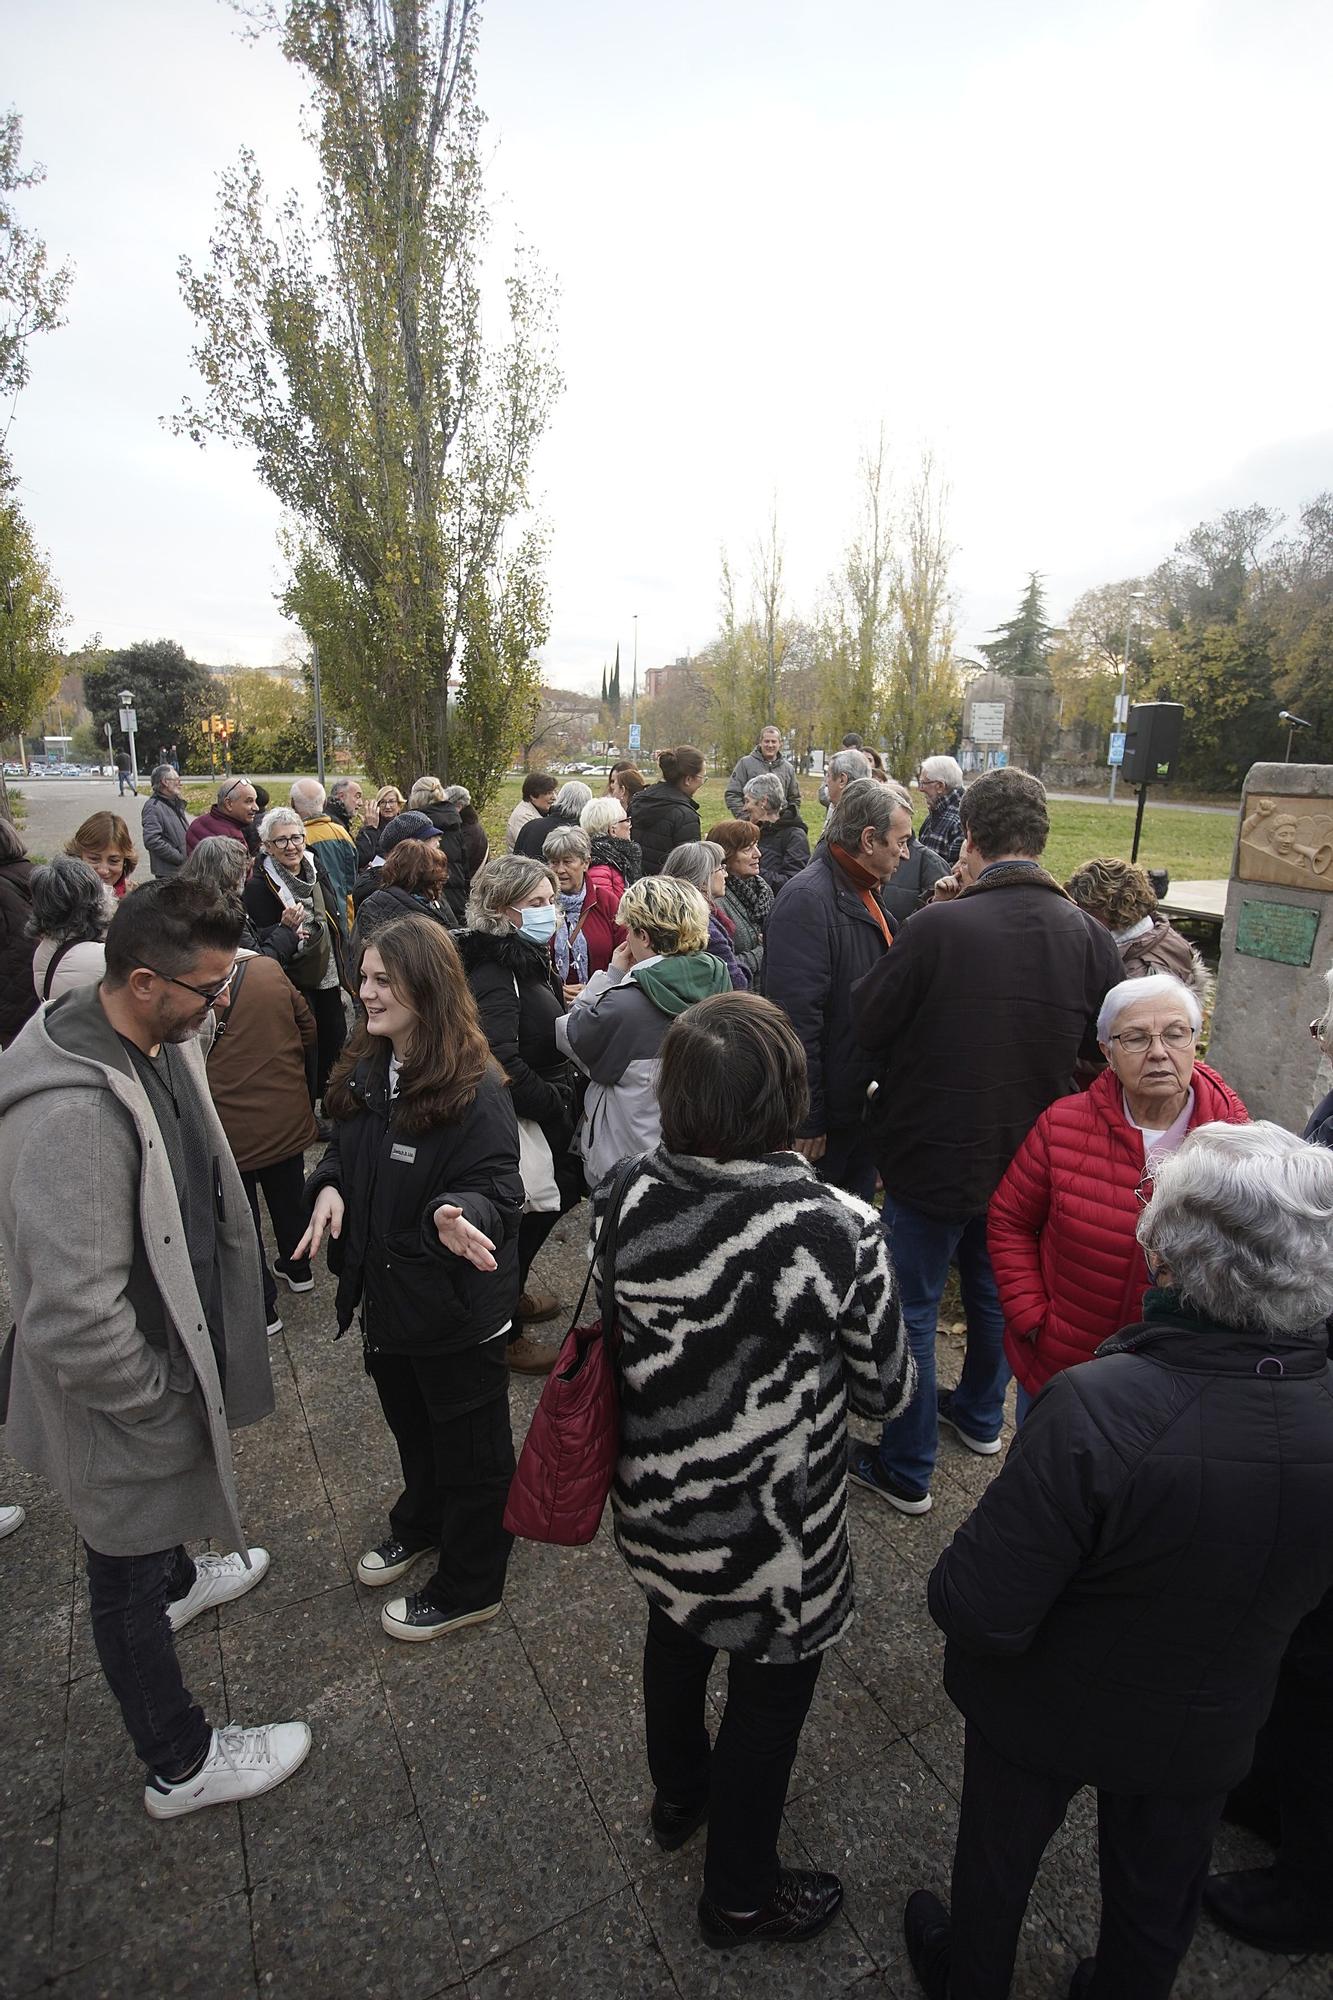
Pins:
<point x="568" y="1460"/>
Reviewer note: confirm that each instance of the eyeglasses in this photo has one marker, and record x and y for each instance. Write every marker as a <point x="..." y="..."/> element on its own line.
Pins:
<point x="286" y="840"/>
<point x="208" y="994"/>
<point x="226" y="792"/>
<point x="1135" y="1040"/>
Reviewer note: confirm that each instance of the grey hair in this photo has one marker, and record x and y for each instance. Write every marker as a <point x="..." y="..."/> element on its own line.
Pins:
<point x="899" y="792"/>
<point x="768" y="788"/>
<point x="942" y="771"/>
<point x="278" y="816"/>
<point x="458" y="795"/>
<point x="567" y="843"/>
<point x="600" y="815"/>
<point x="572" y="798"/>
<point x="220" y="862"/>
<point x="425" y="792"/>
<point x="1160" y="986"/>
<point x="866" y="803"/>
<point x="1242" y="1219"/>
<point x="339" y="786"/>
<point x="694" y="861"/>
<point x="499" y="885"/>
<point x="159" y="772"/>
<point x="71" y="904"/>
<point x="849" y="764"/>
<point x="310" y="800"/>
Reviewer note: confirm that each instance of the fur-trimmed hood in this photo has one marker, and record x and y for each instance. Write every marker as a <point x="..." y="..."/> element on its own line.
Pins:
<point x="517" y="954"/>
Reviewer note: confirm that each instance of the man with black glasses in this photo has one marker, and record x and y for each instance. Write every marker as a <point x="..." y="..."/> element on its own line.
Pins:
<point x="140" y="1336"/>
<point x="229" y="817"/>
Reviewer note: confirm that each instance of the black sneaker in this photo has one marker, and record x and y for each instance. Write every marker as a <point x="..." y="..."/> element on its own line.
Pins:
<point x="926" y="1928"/>
<point x="673" y="1825"/>
<point x="864" y="1467"/>
<point x="803" y="1904"/>
<point x="299" y="1277"/>
<point x="389" y="1561"/>
<point x="421" y="1618"/>
<point x="983" y="1447"/>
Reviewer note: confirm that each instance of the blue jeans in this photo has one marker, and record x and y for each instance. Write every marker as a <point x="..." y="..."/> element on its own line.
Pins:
<point x="1023" y="1401"/>
<point x="921" y="1248"/>
<point x="129" y="1597"/>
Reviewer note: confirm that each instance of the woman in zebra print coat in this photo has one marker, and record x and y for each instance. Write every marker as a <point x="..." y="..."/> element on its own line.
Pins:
<point x="756" y="1304"/>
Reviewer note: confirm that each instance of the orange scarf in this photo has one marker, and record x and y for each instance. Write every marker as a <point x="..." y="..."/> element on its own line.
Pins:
<point x="864" y="884"/>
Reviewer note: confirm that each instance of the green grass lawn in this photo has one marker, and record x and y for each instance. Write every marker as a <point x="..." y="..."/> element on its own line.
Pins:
<point x="1195" y="846"/>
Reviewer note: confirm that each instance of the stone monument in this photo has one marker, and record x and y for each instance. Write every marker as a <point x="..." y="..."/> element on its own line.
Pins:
<point x="1277" y="942"/>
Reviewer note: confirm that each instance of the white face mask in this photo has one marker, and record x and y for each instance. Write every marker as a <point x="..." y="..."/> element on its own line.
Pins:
<point x="540" y="924"/>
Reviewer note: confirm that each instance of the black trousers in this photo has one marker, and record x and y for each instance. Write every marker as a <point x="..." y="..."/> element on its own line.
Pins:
<point x="1152" y="1856"/>
<point x="1293" y="1757"/>
<point x="128" y="1597"/>
<point x="449" y="1414"/>
<point x="284" y="1196"/>
<point x="326" y="1004"/>
<point x="745" y="1775"/>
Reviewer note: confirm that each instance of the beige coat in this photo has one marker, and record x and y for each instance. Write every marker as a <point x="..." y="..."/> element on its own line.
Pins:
<point x="109" y="1388"/>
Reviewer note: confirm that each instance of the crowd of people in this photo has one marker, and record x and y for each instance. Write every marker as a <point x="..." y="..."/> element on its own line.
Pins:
<point x="801" y="1083"/>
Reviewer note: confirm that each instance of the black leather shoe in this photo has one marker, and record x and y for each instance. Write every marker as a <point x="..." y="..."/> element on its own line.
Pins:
<point x="803" y="1904"/>
<point x="1270" y="1909"/>
<point x="1081" y="1984"/>
<point x="926" y="1928"/>
<point x="673" y="1825"/>
<point x="1253" y="1804"/>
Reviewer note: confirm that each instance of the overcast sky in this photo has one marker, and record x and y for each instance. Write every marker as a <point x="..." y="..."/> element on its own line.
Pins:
<point x="1078" y="250"/>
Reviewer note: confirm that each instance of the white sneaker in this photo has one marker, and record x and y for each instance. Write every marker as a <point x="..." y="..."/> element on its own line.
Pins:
<point x="217" y="1580"/>
<point x="274" y="1327"/>
<point x="11" y="1520"/>
<point x="241" y="1763"/>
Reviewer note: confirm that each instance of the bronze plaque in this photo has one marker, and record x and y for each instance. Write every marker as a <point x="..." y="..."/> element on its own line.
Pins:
<point x="1288" y="842"/>
<point x="1280" y="931"/>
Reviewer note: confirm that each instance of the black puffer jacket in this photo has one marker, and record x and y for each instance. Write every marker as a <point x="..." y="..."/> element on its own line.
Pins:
<point x="445" y="817"/>
<point x="913" y="879"/>
<point x="382" y="905"/>
<point x="519" y="1000"/>
<point x="18" y="996"/>
<point x="784" y="848"/>
<point x="1118" y="1603"/>
<point x="532" y="835"/>
<point x="415" y="1296"/>
<point x="662" y="817"/>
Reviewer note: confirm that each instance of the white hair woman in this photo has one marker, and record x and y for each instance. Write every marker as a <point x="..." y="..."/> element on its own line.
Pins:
<point x="567" y="852"/>
<point x="1061" y="1225"/>
<point x="1118" y="1604"/>
<point x="704" y="863"/>
<point x="290" y="885"/>
<point x="784" y="844"/>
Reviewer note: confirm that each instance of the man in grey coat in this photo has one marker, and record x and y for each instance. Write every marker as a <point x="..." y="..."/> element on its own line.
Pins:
<point x="140" y="1335"/>
<point x="165" y="819"/>
<point x="767" y="758"/>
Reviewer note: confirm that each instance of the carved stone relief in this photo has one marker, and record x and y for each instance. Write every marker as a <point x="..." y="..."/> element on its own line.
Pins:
<point x="1288" y="841"/>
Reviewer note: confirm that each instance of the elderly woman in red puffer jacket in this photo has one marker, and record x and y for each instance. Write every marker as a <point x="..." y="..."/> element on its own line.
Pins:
<point x="1061" y="1224"/>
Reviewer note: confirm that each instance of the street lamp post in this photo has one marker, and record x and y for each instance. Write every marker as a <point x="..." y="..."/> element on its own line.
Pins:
<point x="1136" y="597"/>
<point x="129" y="722"/>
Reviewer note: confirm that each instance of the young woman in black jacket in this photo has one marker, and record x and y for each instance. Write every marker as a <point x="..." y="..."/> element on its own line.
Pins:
<point x="419" y="1192"/>
<point x="665" y="816"/>
<point x="513" y="913"/>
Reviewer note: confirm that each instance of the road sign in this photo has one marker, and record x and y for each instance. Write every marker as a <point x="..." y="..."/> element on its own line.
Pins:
<point x="1121" y="716"/>
<point x="988" y="722"/>
<point x="1116" y="754"/>
<point x="129" y="721"/>
<point x="635" y="738"/>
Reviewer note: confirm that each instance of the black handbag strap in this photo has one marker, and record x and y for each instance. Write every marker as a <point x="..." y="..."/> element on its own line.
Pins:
<point x="605" y="1249"/>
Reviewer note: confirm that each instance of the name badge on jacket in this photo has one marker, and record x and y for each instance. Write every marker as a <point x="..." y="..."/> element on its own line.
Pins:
<point x="404" y="1154"/>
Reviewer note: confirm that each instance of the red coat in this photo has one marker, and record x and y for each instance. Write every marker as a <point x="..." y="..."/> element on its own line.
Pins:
<point x="1061" y="1225"/>
<point x="605" y="886"/>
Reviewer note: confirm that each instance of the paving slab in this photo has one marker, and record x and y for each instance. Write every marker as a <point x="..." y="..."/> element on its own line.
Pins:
<point x="473" y="1817"/>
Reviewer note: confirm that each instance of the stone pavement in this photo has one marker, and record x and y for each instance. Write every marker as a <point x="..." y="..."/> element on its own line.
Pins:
<point x="473" y="1817"/>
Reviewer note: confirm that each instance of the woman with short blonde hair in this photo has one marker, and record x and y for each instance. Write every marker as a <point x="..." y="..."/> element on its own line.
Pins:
<point x="105" y="843"/>
<point x="615" y="1027"/>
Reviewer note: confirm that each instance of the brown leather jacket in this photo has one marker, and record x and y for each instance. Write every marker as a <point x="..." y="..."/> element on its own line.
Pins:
<point x="256" y="1067"/>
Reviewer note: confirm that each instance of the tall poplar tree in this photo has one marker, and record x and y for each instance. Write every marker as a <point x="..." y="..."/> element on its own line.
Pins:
<point x="347" y="353"/>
